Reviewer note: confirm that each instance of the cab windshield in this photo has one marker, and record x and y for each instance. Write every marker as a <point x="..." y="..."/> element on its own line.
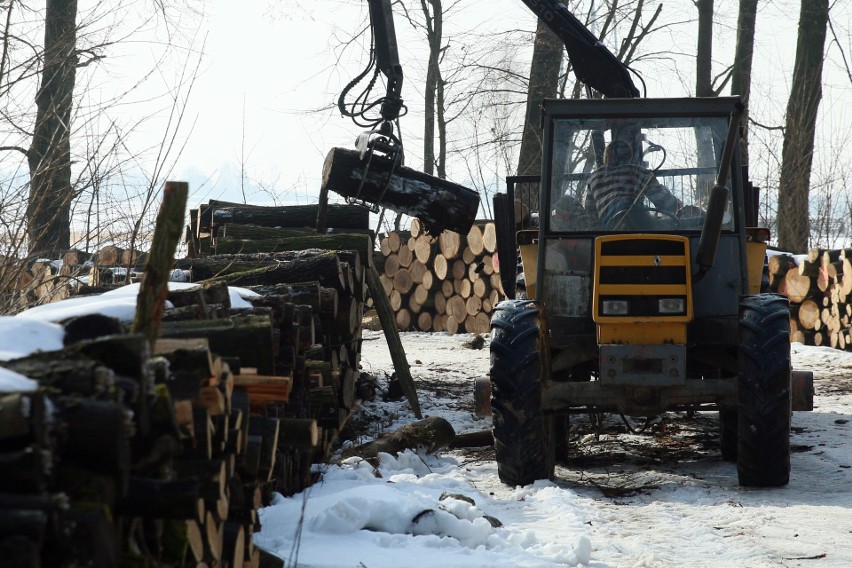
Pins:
<point x="636" y="174"/>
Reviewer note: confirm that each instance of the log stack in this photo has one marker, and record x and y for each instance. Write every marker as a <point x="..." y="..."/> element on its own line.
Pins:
<point x="450" y="283"/>
<point x="312" y="284"/>
<point x="123" y="456"/>
<point x="164" y="457"/>
<point x="819" y="287"/>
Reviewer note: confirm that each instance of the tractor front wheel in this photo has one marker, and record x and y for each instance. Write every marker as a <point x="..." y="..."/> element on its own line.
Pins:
<point x="523" y="434"/>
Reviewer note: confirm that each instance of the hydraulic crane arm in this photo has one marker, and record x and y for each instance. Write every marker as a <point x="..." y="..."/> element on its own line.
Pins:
<point x="594" y="65"/>
<point x="387" y="57"/>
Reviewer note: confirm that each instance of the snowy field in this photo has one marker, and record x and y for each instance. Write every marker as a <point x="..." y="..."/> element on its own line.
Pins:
<point x="660" y="499"/>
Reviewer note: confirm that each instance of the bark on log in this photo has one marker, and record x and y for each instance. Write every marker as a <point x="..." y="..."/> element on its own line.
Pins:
<point x="387" y="319"/>
<point x="150" y="302"/>
<point x="265" y="269"/>
<point x="247" y="337"/>
<point x="332" y="242"/>
<point x="337" y="216"/>
<point x="439" y="204"/>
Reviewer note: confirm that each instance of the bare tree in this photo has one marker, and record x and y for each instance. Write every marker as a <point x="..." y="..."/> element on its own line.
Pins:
<point x="743" y="56"/>
<point x="802" y="107"/>
<point x="543" y="83"/>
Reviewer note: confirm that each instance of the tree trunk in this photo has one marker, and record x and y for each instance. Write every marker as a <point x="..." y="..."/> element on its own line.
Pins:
<point x="49" y="156"/>
<point x="797" y="151"/>
<point x="704" y="50"/>
<point x="544" y="82"/>
<point x="741" y="72"/>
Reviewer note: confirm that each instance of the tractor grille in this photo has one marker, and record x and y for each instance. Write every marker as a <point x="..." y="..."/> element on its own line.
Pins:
<point x="642" y="276"/>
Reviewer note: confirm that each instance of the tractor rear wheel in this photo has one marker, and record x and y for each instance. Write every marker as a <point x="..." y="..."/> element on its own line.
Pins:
<point x="763" y="430"/>
<point x="523" y="435"/>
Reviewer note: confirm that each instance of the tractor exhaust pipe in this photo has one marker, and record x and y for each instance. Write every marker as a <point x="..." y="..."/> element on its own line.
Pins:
<point x="708" y="243"/>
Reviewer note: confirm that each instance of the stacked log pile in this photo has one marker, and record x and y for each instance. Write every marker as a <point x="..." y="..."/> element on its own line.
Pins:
<point x="164" y="457"/>
<point x="450" y="283"/>
<point x="313" y="282"/>
<point x="819" y="286"/>
<point x="126" y="456"/>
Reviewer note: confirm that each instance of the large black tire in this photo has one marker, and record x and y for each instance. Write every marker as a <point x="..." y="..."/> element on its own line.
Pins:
<point x="763" y="456"/>
<point x="519" y="362"/>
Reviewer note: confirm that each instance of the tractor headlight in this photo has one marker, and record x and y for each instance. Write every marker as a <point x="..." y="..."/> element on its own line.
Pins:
<point x="672" y="306"/>
<point x="614" y="307"/>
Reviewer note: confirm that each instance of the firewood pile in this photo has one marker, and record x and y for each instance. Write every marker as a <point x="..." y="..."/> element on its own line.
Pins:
<point x="130" y="455"/>
<point x="123" y="455"/>
<point x="450" y="283"/>
<point x="819" y="286"/>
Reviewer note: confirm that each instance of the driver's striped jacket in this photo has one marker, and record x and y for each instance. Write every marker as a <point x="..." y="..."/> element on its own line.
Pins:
<point x="613" y="189"/>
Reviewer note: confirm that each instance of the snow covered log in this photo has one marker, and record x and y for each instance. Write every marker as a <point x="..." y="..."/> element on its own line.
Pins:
<point x="438" y="203"/>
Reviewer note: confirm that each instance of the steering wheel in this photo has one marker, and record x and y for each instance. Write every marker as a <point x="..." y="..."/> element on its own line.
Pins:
<point x="655" y="148"/>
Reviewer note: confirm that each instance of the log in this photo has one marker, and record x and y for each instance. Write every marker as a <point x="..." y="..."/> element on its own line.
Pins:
<point x="405" y="257"/>
<point x="233" y="545"/>
<point x="110" y="255"/>
<point x="489" y="238"/>
<point x="439" y="204"/>
<point x="333" y="242"/>
<point x="431" y="434"/>
<point x="423" y="248"/>
<point x="797" y="287"/>
<point x="298" y="432"/>
<point x="449" y="243"/>
<point x="440" y="266"/>
<point x="403" y="319"/>
<point x="157" y="499"/>
<point x="809" y="314"/>
<point x="447" y="288"/>
<point x="424" y="321"/>
<point x="150" y="302"/>
<point x="248" y="337"/>
<point x="95" y="434"/>
<point x="480" y="439"/>
<point x="387" y="319"/>
<point x="467" y="256"/>
<point x="475" y="241"/>
<point x="402" y="281"/>
<point x="266" y="269"/>
<point x="259" y="232"/>
<point x="336" y="215"/>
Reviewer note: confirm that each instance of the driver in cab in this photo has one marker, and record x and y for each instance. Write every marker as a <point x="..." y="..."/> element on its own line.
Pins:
<point x="616" y="190"/>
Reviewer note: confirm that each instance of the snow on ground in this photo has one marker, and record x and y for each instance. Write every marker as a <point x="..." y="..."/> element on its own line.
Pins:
<point x="660" y="499"/>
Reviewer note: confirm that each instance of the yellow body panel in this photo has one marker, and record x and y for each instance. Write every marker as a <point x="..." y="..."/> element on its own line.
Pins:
<point x="529" y="259"/>
<point x="755" y="254"/>
<point x="641" y="328"/>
